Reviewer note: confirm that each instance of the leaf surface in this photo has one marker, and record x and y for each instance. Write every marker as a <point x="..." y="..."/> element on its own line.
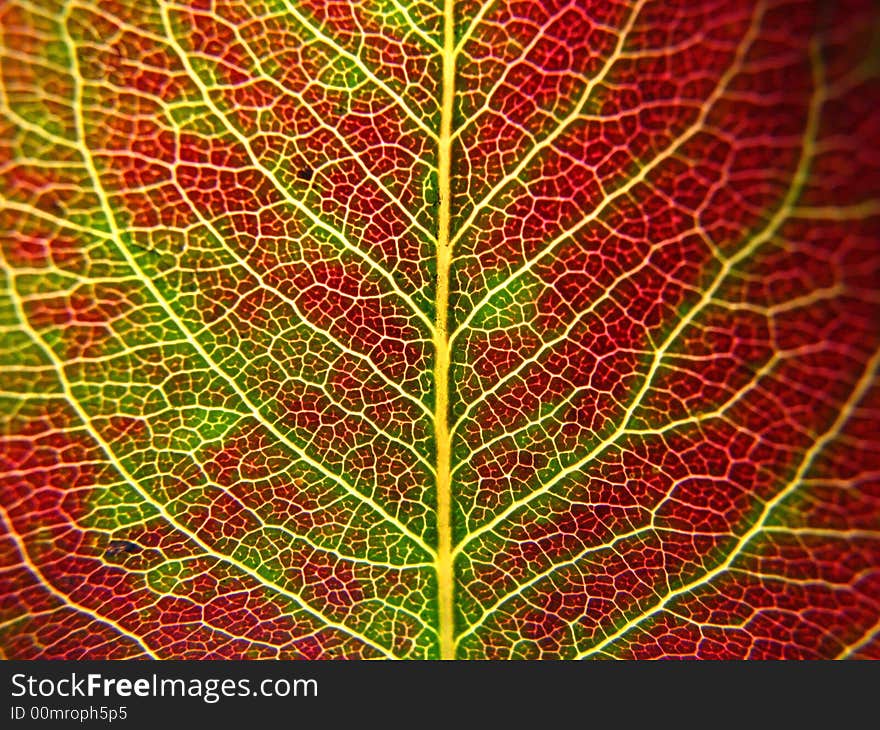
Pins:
<point x="402" y="329"/>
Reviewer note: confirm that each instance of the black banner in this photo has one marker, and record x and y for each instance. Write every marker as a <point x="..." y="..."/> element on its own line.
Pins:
<point x="453" y="694"/>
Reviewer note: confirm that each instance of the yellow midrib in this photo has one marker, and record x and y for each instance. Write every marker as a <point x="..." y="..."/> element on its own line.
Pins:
<point x="445" y="576"/>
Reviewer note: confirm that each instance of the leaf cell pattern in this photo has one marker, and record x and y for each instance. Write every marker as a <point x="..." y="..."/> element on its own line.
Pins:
<point x="467" y="328"/>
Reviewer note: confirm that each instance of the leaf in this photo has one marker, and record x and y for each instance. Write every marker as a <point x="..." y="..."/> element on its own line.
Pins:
<point x="411" y="329"/>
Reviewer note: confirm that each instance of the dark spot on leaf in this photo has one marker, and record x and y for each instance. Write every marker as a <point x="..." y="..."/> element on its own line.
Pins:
<point x="118" y="547"/>
<point x="306" y="173"/>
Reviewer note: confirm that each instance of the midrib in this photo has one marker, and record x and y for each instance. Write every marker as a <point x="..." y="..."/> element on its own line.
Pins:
<point x="445" y="576"/>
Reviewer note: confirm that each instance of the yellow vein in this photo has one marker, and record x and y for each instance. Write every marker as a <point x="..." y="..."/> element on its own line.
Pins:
<point x="855" y="211"/>
<point x="444" y="558"/>
<point x="864" y="641"/>
<point x="472" y="26"/>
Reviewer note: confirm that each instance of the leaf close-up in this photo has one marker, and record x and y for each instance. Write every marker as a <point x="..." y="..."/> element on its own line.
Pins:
<point x="474" y="329"/>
